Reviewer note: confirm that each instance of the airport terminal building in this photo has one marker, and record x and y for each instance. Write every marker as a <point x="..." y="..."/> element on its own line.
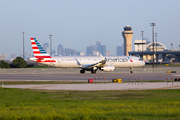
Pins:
<point x="145" y="49"/>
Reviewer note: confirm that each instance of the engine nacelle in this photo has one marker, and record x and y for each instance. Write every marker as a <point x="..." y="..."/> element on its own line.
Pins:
<point x="108" y="68"/>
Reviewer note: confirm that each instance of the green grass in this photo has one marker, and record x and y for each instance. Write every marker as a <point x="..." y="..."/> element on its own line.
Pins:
<point x="19" y="104"/>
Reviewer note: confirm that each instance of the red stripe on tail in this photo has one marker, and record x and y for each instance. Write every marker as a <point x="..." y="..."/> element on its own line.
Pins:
<point x="36" y="52"/>
<point x="33" y="43"/>
<point x="45" y="61"/>
<point x="42" y="56"/>
<point x="35" y="48"/>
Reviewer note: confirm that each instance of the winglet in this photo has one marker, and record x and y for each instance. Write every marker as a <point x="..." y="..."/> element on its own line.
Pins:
<point x="102" y="58"/>
<point x="103" y="61"/>
<point x="77" y="62"/>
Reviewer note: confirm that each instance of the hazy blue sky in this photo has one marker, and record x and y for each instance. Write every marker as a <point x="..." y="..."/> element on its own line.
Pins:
<point x="79" y="23"/>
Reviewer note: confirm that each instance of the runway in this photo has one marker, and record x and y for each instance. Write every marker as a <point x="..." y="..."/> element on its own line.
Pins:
<point x="94" y="86"/>
<point x="85" y="77"/>
<point x="101" y="86"/>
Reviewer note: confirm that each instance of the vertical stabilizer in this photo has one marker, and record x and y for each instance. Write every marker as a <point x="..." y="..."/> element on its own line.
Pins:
<point x="39" y="53"/>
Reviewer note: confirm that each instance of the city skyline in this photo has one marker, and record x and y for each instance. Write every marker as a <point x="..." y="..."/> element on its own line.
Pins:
<point x="77" y="24"/>
<point x="95" y="50"/>
<point x="61" y="51"/>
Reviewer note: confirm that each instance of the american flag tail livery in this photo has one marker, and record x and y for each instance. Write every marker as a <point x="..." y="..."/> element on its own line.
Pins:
<point x="40" y="55"/>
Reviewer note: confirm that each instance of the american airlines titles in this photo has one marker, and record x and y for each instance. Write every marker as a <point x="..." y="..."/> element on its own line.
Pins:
<point x="116" y="59"/>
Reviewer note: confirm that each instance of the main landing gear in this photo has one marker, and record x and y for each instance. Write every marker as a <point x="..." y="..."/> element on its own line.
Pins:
<point x="131" y="69"/>
<point x="92" y="71"/>
<point x="82" y="71"/>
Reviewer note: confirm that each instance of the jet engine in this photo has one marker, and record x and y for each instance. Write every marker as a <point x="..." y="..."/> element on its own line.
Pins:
<point x="108" y="68"/>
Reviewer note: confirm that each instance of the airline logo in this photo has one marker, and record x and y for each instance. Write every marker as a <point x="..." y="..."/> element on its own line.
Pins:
<point x="129" y="59"/>
<point x="39" y="52"/>
<point x="118" y="59"/>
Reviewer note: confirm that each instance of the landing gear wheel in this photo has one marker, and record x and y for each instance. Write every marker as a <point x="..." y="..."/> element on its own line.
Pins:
<point x="131" y="70"/>
<point x="93" y="71"/>
<point x="82" y="71"/>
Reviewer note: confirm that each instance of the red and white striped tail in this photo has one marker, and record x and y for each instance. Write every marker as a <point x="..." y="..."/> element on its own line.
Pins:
<point x="39" y="53"/>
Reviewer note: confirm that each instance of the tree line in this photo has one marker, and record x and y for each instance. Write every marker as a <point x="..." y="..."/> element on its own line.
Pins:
<point x="19" y="62"/>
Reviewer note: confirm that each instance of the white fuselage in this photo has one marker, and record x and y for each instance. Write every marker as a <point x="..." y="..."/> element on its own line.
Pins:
<point x="116" y="61"/>
<point x="86" y="63"/>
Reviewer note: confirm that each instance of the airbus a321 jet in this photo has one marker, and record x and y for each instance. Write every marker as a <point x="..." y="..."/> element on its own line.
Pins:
<point x="86" y="63"/>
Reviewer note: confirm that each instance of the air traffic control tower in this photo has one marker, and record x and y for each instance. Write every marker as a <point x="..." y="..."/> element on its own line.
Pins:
<point x="127" y="35"/>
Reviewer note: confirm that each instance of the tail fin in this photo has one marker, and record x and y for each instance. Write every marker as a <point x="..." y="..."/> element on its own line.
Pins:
<point x="39" y="53"/>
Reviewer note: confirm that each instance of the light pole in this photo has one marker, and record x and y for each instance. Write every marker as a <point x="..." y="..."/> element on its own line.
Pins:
<point x="142" y="43"/>
<point x="50" y="36"/>
<point x="23" y="46"/>
<point x="153" y="24"/>
<point x="156" y="48"/>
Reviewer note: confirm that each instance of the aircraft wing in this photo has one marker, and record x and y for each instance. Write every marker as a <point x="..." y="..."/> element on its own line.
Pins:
<point x="98" y="64"/>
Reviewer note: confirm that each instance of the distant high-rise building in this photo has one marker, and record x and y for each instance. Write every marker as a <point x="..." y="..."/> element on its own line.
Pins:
<point x="13" y="56"/>
<point x="60" y="50"/>
<point x="73" y="52"/>
<point x="103" y="49"/>
<point x="46" y="47"/>
<point x="98" y="43"/>
<point x="119" y="50"/>
<point x="93" y="47"/>
<point x="107" y="53"/>
<point x="90" y="49"/>
<point x="54" y="52"/>
<point x="3" y="56"/>
<point x="99" y="47"/>
<point x="81" y="53"/>
<point x="96" y="53"/>
<point x="67" y="51"/>
<point x="96" y="49"/>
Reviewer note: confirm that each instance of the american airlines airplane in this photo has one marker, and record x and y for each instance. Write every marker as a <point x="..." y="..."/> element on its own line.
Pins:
<point x="86" y="63"/>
